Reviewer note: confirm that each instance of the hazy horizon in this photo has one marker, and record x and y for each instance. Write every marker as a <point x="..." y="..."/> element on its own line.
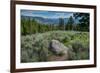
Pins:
<point x="46" y="14"/>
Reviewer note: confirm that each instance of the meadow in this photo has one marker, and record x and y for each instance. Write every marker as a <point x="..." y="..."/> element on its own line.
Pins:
<point x="44" y="38"/>
<point x="35" y="47"/>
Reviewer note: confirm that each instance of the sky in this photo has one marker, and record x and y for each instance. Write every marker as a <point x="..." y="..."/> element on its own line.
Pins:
<point x="46" y="14"/>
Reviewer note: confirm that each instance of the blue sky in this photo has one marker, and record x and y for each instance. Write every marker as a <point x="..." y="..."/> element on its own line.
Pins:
<point x="46" y="14"/>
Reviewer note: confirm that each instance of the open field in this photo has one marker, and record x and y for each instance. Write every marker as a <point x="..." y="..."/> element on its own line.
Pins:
<point x="36" y="47"/>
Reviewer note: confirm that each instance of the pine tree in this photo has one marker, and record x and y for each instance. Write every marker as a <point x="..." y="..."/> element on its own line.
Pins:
<point x="61" y="23"/>
<point x="83" y="20"/>
<point x="70" y="23"/>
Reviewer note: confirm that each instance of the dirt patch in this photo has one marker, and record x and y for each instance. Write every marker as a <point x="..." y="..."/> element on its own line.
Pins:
<point x="57" y="58"/>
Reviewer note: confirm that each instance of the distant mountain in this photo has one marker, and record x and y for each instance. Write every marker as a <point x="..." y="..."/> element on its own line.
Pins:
<point x="45" y="20"/>
<point x="50" y="20"/>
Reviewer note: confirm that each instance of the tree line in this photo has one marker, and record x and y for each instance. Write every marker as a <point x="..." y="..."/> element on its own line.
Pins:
<point x="31" y="26"/>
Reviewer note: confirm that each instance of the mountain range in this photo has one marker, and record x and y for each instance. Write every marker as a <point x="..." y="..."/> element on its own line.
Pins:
<point x="42" y="20"/>
<point x="45" y="20"/>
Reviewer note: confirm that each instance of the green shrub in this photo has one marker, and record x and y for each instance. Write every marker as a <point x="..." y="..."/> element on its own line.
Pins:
<point x="35" y="47"/>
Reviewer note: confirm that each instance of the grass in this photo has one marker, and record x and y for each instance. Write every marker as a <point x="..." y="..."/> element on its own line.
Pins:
<point x="35" y="47"/>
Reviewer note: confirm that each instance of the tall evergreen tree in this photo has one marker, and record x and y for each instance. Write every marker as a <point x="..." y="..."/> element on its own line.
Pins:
<point x="70" y="23"/>
<point x="61" y="23"/>
<point x="83" y="20"/>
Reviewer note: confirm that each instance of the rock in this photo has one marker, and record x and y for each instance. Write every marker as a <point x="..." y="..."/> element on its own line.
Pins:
<point x="58" y="47"/>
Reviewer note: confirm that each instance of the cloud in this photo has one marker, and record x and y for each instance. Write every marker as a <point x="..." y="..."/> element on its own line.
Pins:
<point x="46" y="14"/>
